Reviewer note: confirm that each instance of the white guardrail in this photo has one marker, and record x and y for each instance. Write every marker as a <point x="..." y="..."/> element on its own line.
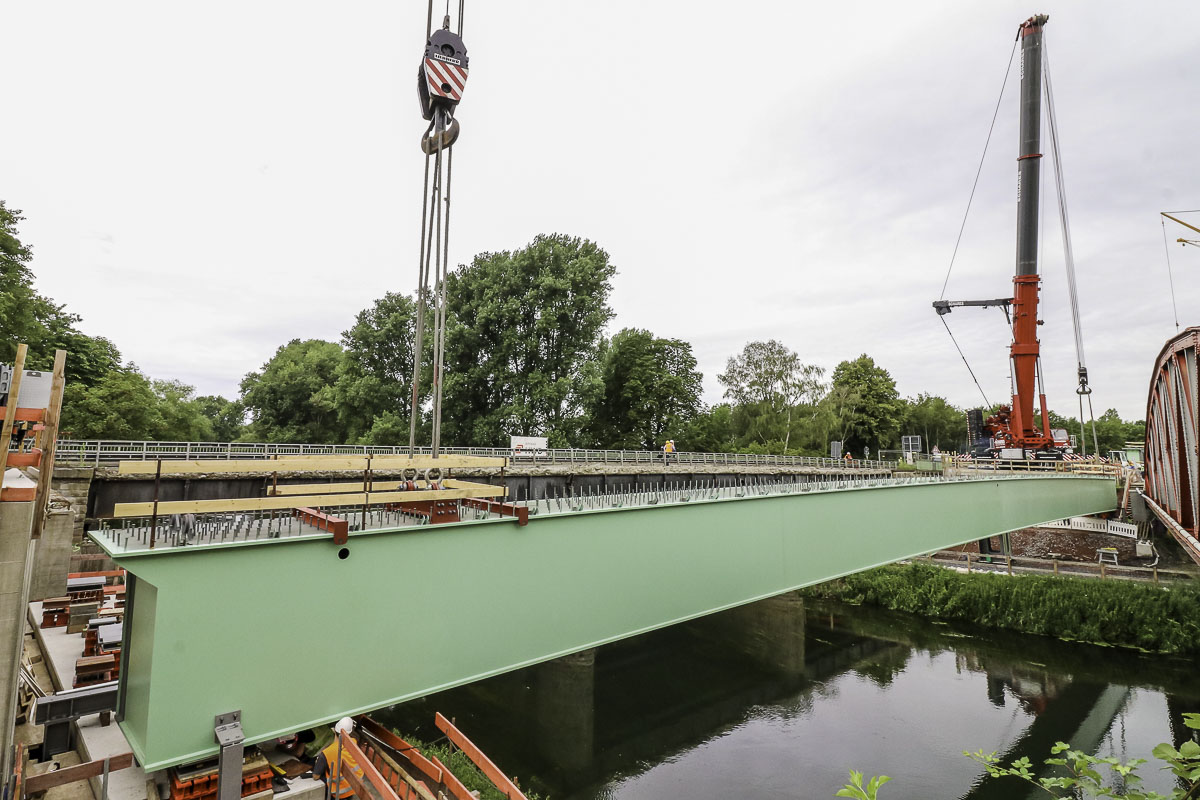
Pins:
<point x="93" y="453"/>
<point x="1098" y="525"/>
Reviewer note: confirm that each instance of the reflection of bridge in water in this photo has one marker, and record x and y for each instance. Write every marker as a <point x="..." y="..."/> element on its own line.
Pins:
<point x="657" y="698"/>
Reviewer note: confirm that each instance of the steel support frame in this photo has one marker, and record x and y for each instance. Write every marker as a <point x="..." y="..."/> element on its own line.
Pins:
<point x="1173" y="433"/>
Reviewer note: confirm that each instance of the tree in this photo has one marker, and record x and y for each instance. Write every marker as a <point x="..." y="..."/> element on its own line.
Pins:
<point x="522" y="334"/>
<point x="125" y="404"/>
<point x="374" y="383"/>
<point x="227" y="417"/>
<point x="936" y="421"/>
<point x="709" y="431"/>
<point x="30" y="318"/>
<point x="866" y="404"/>
<point x="769" y="384"/>
<point x="651" y="390"/>
<point x="291" y="399"/>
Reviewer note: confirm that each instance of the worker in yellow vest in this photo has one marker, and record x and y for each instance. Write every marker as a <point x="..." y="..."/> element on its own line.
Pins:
<point x="668" y="450"/>
<point x="328" y="765"/>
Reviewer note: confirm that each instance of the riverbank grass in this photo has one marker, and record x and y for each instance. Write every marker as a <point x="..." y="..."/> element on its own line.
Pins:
<point x="1148" y="617"/>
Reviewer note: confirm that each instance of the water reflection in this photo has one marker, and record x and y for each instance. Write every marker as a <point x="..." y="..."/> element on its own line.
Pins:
<point x="682" y="712"/>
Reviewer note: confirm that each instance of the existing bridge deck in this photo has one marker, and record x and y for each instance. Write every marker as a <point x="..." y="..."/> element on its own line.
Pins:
<point x="297" y="631"/>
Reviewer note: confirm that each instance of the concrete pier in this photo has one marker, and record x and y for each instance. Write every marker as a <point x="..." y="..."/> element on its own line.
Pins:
<point x="16" y="556"/>
<point x="564" y="709"/>
<point x="770" y="632"/>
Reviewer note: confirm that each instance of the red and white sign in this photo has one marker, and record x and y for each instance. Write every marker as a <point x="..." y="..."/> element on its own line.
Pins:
<point x="445" y="80"/>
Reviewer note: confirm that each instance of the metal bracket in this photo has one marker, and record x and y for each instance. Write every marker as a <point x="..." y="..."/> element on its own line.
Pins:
<point x="227" y="730"/>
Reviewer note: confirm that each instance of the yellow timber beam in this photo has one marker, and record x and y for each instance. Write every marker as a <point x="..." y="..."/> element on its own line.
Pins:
<point x="309" y="463"/>
<point x="460" y="490"/>
<point x="289" y="489"/>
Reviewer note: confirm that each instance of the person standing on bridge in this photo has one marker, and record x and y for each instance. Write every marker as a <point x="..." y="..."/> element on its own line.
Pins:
<point x="330" y="762"/>
<point x="668" y="448"/>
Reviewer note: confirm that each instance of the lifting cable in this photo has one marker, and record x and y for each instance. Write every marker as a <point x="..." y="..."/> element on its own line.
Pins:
<point x="1170" y="277"/>
<point x="979" y="170"/>
<point x="963" y="226"/>
<point x="441" y="80"/>
<point x="986" y="403"/>
<point x="1060" y="190"/>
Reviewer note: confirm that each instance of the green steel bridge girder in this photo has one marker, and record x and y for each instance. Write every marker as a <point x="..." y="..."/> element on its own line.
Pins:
<point x="294" y="636"/>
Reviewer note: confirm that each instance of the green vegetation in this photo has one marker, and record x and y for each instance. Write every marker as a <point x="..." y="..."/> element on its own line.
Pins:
<point x="1115" y="613"/>
<point x="526" y="354"/>
<point x="1078" y="774"/>
<point x="462" y="768"/>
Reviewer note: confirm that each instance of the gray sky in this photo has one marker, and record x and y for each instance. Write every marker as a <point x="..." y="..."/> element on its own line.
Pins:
<point x="205" y="181"/>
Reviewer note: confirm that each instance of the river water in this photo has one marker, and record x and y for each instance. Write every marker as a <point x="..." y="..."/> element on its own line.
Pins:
<point x="674" y="715"/>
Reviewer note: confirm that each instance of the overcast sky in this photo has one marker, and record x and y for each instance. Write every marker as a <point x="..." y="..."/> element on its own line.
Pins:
<point x="205" y="181"/>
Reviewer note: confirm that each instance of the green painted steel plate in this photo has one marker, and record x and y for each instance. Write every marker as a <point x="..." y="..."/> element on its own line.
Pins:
<point x="292" y="635"/>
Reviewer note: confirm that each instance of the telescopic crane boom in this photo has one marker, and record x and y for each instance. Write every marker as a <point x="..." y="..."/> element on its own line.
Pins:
<point x="1014" y="425"/>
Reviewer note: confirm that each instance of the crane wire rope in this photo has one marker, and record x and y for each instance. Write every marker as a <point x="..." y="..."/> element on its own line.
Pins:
<point x="986" y="402"/>
<point x="1170" y="277"/>
<point x="1064" y="224"/>
<point x="434" y="260"/>
<point x="979" y="170"/>
<point x="963" y="226"/>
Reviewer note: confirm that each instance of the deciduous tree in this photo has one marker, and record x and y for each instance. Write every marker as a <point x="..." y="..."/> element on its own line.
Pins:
<point x="769" y="386"/>
<point x="523" y="331"/>
<point x="291" y="399"/>
<point x="651" y="390"/>
<point x="374" y="383"/>
<point x="866" y="404"/>
<point x="33" y="319"/>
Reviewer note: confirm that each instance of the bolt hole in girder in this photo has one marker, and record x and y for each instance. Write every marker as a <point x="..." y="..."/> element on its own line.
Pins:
<point x="344" y="553"/>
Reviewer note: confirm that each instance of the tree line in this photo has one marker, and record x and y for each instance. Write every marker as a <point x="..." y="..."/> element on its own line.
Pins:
<point x="527" y="354"/>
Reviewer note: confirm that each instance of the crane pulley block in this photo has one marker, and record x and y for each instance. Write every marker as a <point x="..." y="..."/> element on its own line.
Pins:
<point x="443" y="73"/>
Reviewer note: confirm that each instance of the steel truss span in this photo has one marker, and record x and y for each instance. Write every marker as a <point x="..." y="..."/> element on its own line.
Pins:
<point x="1171" y="435"/>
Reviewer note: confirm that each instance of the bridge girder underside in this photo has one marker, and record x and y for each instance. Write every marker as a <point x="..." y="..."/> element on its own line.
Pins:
<point x="1173" y="434"/>
<point x="292" y="635"/>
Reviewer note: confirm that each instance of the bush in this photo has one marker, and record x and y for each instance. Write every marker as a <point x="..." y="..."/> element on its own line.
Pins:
<point x="1147" y="617"/>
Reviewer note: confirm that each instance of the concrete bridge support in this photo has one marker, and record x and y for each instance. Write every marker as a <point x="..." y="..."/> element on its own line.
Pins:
<point x="564" y="710"/>
<point x="769" y="632"/>
<point x="16" y="557"/>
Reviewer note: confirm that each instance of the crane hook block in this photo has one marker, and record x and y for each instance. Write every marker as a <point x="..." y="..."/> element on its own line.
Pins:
<point x="443" y="73"/>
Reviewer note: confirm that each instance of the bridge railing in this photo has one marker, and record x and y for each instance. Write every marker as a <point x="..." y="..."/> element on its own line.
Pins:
<point x="96" y="453"/>
<point x="1041" y="465"/>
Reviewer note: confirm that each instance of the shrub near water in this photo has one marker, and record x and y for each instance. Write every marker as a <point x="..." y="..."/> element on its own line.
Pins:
<point x="1116" y="613"/>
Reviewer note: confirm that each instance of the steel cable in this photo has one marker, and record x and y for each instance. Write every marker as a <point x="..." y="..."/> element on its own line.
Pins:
<point x="986" y="402"/>
<point x="978" y="171"/>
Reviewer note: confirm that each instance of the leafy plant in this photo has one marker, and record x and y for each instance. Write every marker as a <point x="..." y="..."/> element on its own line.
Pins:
<point x="1138" y="616"/>
<point x="856" y="789"/>
<point x="1079" y="773"/>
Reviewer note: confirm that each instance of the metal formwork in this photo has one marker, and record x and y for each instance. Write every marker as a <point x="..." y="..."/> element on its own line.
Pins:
<point x="1172" y="434"/>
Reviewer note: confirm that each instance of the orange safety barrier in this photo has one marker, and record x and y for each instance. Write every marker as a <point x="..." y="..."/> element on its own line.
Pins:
<point x="31" y="458"/>
<point x="493" y="773"/>
<point x="339" y="527"/>
<point x="25" y="414"/>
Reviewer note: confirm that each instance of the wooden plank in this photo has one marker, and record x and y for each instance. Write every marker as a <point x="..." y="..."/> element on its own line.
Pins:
<point x="10" y="409"/>
<point x="300" y="501"/>
<point x="49" y="442"/>
<point x="370" y="771"/>
<point x="79" y="772"/>
<point x="357" y="486"/>
<point x="490" y="770"/>
<point x="309" y="463"/>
